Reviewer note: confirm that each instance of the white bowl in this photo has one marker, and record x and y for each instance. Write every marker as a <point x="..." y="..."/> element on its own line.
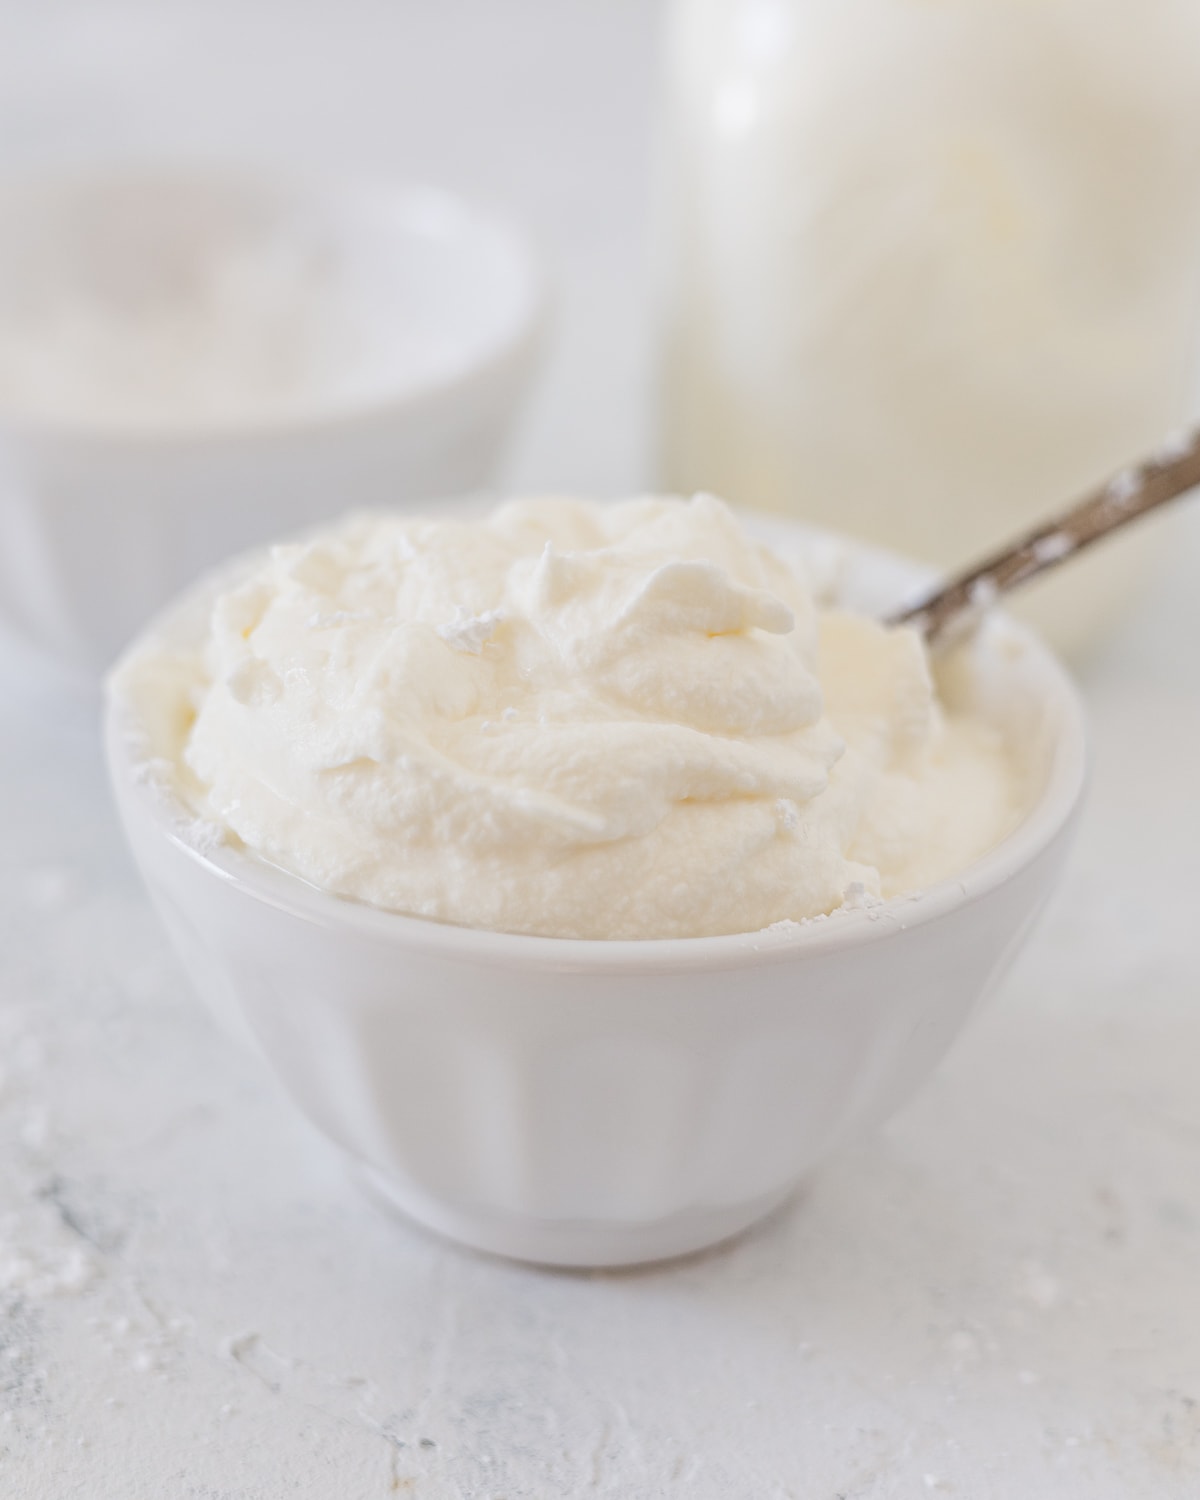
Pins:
<point x="425" y="331"/>
<point x="602" y="1103"/>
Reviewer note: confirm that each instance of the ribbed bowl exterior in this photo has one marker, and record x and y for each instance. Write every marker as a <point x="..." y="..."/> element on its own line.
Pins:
<point x="601" y="1098"/>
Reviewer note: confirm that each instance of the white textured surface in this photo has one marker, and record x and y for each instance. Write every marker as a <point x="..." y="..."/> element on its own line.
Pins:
<point x="995" y="1300"/>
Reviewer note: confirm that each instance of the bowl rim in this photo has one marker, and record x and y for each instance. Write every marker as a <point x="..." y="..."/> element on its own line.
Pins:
<point x="517" y="341"/>
<point x="1052" y="812"/>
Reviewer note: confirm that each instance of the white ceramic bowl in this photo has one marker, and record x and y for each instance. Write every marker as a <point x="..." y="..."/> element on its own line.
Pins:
<point x="602" y="1103"/>
<point x="430" y="332"/>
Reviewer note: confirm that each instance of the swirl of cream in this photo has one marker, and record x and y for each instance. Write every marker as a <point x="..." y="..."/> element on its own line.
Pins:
<point x="571" y="719"/>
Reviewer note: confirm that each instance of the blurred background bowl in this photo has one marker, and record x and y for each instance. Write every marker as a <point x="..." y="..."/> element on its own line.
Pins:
<point x="193" y="361"/>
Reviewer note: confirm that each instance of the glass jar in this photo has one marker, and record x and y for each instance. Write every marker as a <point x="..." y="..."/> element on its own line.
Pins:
<point x="931" y="267"/>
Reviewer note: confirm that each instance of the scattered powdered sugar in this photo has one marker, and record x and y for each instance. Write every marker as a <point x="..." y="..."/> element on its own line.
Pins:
<point x="44" y="1252"/>
<point x="38" y="1273"/>
<point x="40" y="1259"/>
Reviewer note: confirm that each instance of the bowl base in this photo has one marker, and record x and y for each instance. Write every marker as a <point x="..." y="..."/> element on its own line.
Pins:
<point x="578" y="1243"/>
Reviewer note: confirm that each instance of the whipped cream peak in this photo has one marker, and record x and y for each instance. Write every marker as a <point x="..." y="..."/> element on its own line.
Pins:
<point x="468" y="632"/>
<point x="573" y="719"/>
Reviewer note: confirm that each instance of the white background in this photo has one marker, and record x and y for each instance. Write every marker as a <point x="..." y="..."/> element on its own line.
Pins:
<point x="998" y="1298"/>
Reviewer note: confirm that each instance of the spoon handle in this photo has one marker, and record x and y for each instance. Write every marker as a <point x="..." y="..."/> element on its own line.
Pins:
<point x="1133" y="492"/>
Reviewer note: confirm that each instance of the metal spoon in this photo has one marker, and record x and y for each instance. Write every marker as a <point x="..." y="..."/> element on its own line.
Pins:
<point x="1169" y="473"/>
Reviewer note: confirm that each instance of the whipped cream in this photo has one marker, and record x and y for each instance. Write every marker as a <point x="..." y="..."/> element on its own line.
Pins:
<point x="570" y="719"/>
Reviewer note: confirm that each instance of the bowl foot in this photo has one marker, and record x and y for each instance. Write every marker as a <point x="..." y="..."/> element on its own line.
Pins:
<point x="567" y="1242"/>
